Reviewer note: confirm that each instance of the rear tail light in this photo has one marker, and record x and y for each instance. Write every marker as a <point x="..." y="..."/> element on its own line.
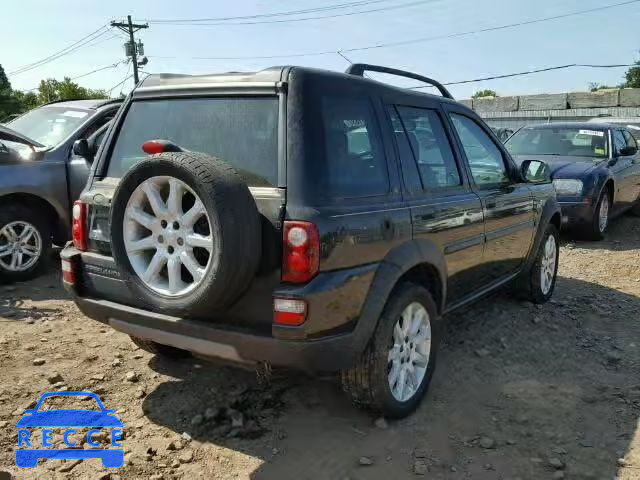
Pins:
<point x="79" y="226"/>
<point x="301" y="251"/>
<point x="68" y="272"/>
<point x="289" y="312"/>
<point x="152" y="147"/>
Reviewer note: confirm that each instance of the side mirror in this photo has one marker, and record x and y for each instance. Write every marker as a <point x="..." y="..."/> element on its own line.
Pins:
<point x="82" y="149"/>
<point x="535" y="171"/>
<point x="627" y="151"/>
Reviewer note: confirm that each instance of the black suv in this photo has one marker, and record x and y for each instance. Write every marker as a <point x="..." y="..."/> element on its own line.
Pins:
<point x="306" y="218"/>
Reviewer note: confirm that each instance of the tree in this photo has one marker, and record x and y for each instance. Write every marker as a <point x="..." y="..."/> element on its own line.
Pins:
<point x="485" y="93"/>
<point x="6" y="103"/>
<point x="52" y="90"/>
<point x="595" y="86"/>
<point x="632" y="76"/>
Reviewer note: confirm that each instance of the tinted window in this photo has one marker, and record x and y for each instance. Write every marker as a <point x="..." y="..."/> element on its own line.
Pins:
<point x="430" y="147"/>
<point x="484" y="157"/>
<point x="410" y="173"/>
<point x="618" y="141"/>
<point x="631" y="142"/>
<point x="239" y="131"/>
<point x="565" y="141"/>
<point x="355" y="161"/>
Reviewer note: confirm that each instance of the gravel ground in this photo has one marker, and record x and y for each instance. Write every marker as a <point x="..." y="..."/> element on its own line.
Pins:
<point x="521" y="391"/>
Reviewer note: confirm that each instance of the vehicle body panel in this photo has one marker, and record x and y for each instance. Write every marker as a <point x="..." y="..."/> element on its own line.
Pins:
<point x="367" y="243"/>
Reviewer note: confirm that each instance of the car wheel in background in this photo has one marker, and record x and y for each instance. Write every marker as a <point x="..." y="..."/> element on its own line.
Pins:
<point x="395" y="370"/>
<point x="25" y="242"/>
<point x="600" y="221"/>
<point x="159" y="349"/>
<point x="538" y="282"/>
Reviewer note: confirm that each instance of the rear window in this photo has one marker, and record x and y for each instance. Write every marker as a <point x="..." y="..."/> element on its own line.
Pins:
<point x="240" y="131"/>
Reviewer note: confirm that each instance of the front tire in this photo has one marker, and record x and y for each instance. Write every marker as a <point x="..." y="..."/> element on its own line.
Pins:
<point x="538" y="283"/>
<point x="395" y="370"/>
<point x="25" y="242"/>
<point x="599" y="224"/>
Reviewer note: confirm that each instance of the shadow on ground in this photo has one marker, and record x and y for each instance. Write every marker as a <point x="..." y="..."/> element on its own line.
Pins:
<point x="553" y="383"/>
<point x="625" y="227"/>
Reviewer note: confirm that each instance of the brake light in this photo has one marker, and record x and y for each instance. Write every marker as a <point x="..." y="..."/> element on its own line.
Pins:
<point x="79" y="225"/>
<point x="289" y="312"/>
<point x="151" y="147"/>
<point x="301" y="251"/>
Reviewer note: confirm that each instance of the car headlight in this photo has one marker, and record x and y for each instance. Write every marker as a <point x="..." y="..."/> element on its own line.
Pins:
<point x="568" y="187"/>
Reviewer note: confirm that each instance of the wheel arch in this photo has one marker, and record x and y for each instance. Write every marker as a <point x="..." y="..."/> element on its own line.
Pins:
<point x="37" y="203"/>
<point x="417" y="261"/>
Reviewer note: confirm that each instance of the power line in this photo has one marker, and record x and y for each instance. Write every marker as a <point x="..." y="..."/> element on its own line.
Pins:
<point x="415" y="40"/>
<point x="492" y="29"/>
<point x="302" y="19"/>
<point x="528" y="72"/>
<point x="113" y="65"/>
<point x="65" y="51"/>
<point x="270" y="15"/>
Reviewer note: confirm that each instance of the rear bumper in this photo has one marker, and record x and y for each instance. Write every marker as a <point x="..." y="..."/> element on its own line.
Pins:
<point x="315" y="346"/>
<point x="324" y="354"/>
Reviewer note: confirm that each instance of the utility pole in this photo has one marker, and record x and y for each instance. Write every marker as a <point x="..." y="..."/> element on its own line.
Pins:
<point x="131" y="48"/>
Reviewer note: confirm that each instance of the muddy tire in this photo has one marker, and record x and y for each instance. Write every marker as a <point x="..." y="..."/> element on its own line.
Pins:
<point x="26" y="233"/>
<point x="185" y="233"/>
<point x="400" y="356"/>
<point x="539" y="281"/>
<point x="159" y="349"/>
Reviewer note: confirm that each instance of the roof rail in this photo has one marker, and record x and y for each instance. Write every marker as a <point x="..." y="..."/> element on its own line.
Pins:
<point x="359" y="69"/>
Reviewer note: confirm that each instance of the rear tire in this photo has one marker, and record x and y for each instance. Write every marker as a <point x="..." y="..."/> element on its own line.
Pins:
<point x="15" y="219"/>
<point x="159" y="349"/>
<point x="370" y="381"/>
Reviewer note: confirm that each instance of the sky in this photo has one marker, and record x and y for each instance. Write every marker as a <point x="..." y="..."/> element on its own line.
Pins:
<point x="32" y="30"/>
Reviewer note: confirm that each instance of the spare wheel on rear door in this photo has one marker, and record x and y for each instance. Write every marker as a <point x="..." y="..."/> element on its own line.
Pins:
<point x="185" y="233"/>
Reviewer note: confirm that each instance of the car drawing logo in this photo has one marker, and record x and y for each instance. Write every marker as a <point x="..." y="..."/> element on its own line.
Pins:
<point x="27" y="457"/>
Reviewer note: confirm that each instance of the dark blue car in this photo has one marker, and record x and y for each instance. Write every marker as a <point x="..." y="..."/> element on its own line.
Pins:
<point x="68" y="418"/>
<point x="595" y="170"/>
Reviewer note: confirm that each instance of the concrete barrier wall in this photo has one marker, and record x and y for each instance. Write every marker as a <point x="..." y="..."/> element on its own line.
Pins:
<point x="625" y="97"/>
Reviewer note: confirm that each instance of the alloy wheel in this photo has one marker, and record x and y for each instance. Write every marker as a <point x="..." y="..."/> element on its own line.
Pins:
<point x="548" y="264"/>
<point x="603" y="214"/>
<point x="20" y="246"/>
<point x="408" y="357"/>
<point x="168" y="236"/>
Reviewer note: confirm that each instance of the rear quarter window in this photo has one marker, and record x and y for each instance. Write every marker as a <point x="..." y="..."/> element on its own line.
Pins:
<point x="355" y="164"/>
<point x="242" y="131"/>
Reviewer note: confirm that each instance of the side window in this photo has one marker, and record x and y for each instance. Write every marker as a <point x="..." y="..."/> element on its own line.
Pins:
<point x="355" y="160"/>
<point x="95" y="126"/>
<point x="407" y="161"/>
<point x="430" y="147"/>
<point x="630" y="141"/>
<point x="618" y="141"/>
<point x="485" y="158"/>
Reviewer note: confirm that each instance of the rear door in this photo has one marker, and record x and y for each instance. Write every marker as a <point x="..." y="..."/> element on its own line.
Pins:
<point x="507" y="203"/>
<point x="443" y="208"/>
<point x="634" y="172"/>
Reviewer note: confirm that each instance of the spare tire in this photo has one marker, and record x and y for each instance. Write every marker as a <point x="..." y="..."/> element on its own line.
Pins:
<point x="185" y="233"/>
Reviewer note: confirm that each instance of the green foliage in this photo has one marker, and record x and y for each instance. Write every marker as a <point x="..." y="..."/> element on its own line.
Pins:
<point x="485" y="93"/>
<point x="632" y="76"/>
<point x="51" y="90"/>
<point x="595" y="86"/>
<point x="16" y="102"/>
